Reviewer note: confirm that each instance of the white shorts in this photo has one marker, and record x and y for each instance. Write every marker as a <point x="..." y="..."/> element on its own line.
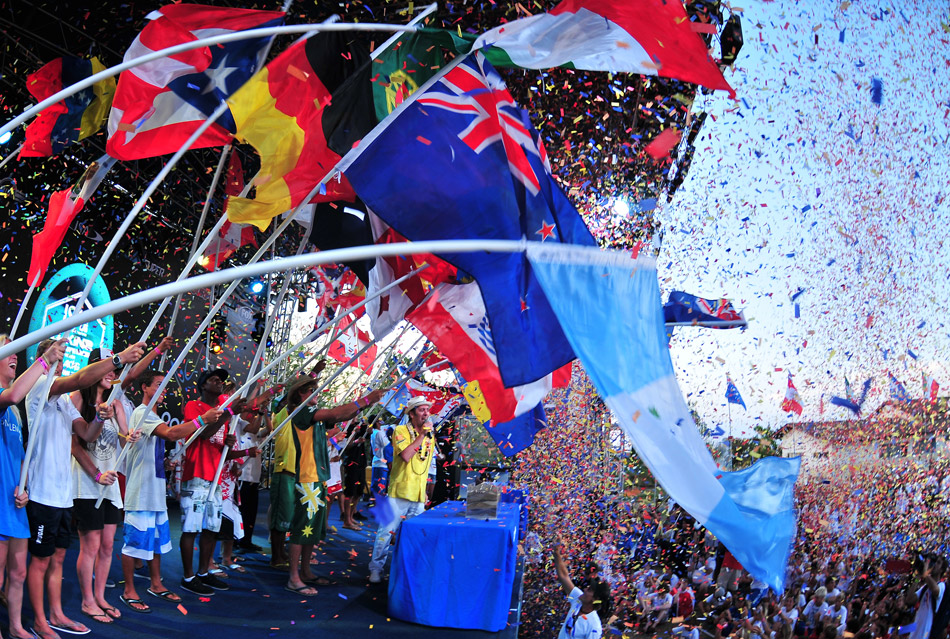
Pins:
<point x="197" y="511"/>
<point x="146" y="534"/>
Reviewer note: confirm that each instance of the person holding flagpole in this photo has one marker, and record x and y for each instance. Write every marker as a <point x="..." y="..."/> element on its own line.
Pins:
<point x="14" y="527"/>
<point x="49" y="510"/>
<point x="311" y="427"/>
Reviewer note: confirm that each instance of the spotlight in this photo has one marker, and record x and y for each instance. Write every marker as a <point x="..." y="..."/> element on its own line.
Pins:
<point x="257" y="287"/>
<point x="6" y="137"/>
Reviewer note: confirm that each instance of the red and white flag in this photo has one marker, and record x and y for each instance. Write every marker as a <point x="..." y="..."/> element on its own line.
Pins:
<point x="931" y="387"/>
<point x="393" y="306"/>
<point x="455" y="320"/>
<point x="443" y="402"/>
<point x="159" y="104"/>
<point x="648" y="37"/>
<point x="792" y="402"/>
<point x="349" y="343"/>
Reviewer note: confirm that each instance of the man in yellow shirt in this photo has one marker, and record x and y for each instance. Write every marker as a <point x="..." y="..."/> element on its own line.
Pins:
<point x="282" y="489"/>
<point x="413" y="447"/>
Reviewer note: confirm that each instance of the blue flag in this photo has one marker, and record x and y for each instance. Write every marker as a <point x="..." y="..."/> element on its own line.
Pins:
<point x="608" y="298"/>
<point x="462" y="162"/>
<point x="732" y="393"/>
<point x="850" y="401"/>
<point x="683" y="308"/>
<point x="898" y="391"/>
<point x="514" y="436"/>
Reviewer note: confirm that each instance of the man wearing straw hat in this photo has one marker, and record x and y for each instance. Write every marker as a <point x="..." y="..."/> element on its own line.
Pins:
<point x="413" y="447"/>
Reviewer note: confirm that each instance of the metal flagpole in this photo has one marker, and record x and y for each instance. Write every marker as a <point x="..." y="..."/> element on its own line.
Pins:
<point x="11" y="156"/>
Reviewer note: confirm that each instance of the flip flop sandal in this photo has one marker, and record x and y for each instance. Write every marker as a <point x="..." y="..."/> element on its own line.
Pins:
<point x="131" y="603"/>
<point x="319" y="581"/>
<point x="237" y="568"/>
<point x="300" y="591"/>
<point x="167" y="595"/>
<point x="112" y="612"/>
<point x="103" y="618"/>
<point x="71" y="629"/>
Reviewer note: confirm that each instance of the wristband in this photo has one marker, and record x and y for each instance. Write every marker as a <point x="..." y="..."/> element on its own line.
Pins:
<point x="200" y="421"/>
<point x="245" y="453"/>
<point x="42" y="360"/>
<point x="98" y="418"/>
<point x="358" y="407"/>
<point x="98" y="475"/>
<point x="157" y="351"/>
<point x="230" y="411"/>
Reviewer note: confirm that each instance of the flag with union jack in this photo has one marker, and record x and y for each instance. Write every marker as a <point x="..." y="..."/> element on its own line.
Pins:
<point x="462" y="161"/>
<point x="683" y="308"/>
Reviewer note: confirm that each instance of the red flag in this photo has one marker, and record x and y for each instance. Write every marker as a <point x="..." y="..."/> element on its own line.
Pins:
<point x="349" y="343"/>
<point x="231" y="236"/>
<point x="63" y="207"/>
<point x="792" y="402"/>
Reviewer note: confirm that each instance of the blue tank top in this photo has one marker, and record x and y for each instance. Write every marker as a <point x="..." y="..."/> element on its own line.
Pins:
<point x="13" y="522"/>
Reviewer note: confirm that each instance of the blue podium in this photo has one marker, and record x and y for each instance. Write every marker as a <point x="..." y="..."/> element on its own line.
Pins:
<point x="453" y="572"/>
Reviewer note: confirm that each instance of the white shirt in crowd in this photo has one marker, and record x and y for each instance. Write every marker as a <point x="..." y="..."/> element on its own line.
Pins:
<point x="577" y="625"/>
<point x="50" y="473"/>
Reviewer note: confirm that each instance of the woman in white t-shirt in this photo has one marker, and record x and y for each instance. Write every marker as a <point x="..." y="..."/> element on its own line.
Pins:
<point x="93" y="466"/>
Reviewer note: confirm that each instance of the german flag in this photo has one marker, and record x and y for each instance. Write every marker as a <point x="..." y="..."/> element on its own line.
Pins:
<point x="314" y="103"/>
<point x="280" y="112"/>
<point x="75" y="118"/>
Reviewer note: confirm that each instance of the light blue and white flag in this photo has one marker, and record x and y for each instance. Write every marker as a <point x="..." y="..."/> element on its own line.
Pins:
<point x="609" y="307"/>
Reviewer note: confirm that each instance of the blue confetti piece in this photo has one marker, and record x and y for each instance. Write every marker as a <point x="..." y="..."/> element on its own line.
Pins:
<point x="798" y="314"/>
<point x="805" y="209"/>
<point x="841" y="36"/>
<point x="912" y="353"/>
<point x="922" y="324"/>
<point x="877" y="91"/>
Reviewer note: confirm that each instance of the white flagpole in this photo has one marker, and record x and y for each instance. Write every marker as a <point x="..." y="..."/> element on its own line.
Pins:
<point x="11" y="156"/>
<point x="313" y="335"/>
<point x="189" y="46"/>
<point x="217" y="475"/>
<point x="258" y="269"/>
<point x="23" y="305"/>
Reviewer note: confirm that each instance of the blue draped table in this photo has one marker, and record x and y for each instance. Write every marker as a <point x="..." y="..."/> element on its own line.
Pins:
<point x="453" y="572"/>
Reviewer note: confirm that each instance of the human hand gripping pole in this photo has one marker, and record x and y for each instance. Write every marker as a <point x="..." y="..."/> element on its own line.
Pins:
<point x="335" y="374"/>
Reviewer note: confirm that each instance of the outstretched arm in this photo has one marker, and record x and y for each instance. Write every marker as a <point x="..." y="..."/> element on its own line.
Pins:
<point x="563" y="578"/>
<point x="142" y="365"/>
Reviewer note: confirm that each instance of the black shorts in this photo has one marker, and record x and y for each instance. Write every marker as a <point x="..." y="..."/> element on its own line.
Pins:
<point x="49" y="528"/>
<point x="226" y="531"/>
<point x="353" y="477"/>
<point x="87" y="517"/>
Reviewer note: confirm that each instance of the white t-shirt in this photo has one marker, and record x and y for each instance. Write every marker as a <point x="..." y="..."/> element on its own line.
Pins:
<point x="924" y="619"/>
<point x="50" y="477"/>
<point x="578" y="626"/>
<point x="251" y="471"/>
<point x="145" y="466"/>
<point x="103" y="453"/>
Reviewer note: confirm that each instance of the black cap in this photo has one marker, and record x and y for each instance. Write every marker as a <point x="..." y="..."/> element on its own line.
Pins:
<point x="220" y="373"/>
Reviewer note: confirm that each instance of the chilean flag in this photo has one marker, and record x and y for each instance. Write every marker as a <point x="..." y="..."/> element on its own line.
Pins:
<point x="455" y="319"/>
<point x="159" y="104"/>
<point x="648" y="37"/>
<point x="792" y="402"/>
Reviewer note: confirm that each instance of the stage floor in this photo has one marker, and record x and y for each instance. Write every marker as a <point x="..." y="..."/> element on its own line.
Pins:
<point x="257" y="604"/>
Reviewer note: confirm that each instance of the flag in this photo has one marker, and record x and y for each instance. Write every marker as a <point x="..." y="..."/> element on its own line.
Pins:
<point x="456" y="321"/>
<point x="732" y="393"/>
<point x="792" y="402"/>
<point x="76" y="117"/>
<point x="283" y="112"/>
<point x="63" y="207"/>
<point x="335" y="287"/>
<point x="337" y="225"/>
<point x="349" y="342"/>
<point x="850" y="400"/>
<point x="608" y="298"/>
<point x="683" y="308"/>
<point x="462" y="162"/>
<point x="231" y="236"/>
<point x="159" y="104"/>
<point x="648" y="37"/>
<point x="898" y="392"/>
<point x="390" y="308"/>
<point x="444" y="403"/>
<point x="931" y="387"/>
